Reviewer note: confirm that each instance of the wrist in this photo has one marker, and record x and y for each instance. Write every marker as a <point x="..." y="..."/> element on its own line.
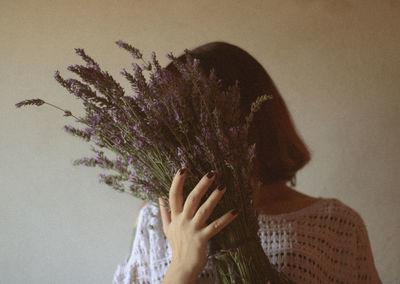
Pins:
<point x="177" y="274"/>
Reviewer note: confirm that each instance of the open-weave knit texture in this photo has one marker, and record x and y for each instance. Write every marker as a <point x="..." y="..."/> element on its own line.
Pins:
<point x="326" y="242"/>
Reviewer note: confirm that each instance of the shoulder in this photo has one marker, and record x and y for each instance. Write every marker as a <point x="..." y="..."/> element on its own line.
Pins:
<point x="344" y="221"/>
<point x="149" y="218"/>
<point x="358" y="225"/>
<point x="330" y="214"/>
<point x="148" y="251"/>
<point x="342" y="210"/>
<point x="140" y="208"/>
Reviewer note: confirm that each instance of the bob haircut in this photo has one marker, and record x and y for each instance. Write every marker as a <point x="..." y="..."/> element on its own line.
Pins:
<point x="280" y="152"/>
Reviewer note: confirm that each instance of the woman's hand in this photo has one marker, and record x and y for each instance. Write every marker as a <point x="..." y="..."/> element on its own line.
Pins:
<point x="185" y="227"/>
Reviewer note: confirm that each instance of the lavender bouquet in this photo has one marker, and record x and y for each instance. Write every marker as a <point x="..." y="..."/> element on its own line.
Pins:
<point x="173" y="121"/>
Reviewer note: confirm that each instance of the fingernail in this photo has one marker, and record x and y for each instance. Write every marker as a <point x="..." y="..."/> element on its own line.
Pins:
<point x="234" y="212"/>
<point x="221" y="187"/>
<point x="182" y="171"/>
<point x="211" y="174"/>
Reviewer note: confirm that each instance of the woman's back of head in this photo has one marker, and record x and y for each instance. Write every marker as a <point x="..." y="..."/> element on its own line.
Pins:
<point x="280" y="152"/>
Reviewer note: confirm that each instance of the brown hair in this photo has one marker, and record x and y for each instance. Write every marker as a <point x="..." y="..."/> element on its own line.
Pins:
<point x="280" y="152"/>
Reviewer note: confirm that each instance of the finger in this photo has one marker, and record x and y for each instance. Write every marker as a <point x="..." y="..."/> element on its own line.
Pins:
<point x="165" y="215"/>
<point x="175" y="192"/>
<point x="208" y="206"/>
<point x="193" y="200"/>
<point x="216" y="226"/>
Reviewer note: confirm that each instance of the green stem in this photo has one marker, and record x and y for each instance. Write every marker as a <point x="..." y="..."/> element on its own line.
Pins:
<point x="63" y="111"/>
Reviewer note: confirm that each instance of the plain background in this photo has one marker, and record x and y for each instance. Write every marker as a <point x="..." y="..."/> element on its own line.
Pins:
<point x="335" y="62"/>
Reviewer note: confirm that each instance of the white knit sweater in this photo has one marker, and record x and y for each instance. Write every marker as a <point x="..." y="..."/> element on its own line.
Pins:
<point x="326" y="242"/>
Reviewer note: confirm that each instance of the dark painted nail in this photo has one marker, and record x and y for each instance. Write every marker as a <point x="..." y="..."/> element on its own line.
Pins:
<point x="182" y="171"/>
<point x="221" y="187"/>
<point x="234" y="212"/>
<point x="211" y="174"/>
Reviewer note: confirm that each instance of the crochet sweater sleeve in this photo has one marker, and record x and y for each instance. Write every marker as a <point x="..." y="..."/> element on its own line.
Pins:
<point x="366" y="270"/>
<point x="326" y="242"/>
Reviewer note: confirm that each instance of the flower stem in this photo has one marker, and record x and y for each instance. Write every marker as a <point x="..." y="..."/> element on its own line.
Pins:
<point x="63" y="111"/>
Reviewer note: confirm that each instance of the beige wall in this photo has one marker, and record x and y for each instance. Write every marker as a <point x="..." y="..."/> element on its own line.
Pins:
<point x="336" y="63"/>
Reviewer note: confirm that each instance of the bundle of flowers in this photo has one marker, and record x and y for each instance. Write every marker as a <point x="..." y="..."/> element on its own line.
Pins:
<point x="174" y="121"/>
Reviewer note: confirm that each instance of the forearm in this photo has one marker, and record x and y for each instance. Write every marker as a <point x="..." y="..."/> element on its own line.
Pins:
<point x="176" y="275"/>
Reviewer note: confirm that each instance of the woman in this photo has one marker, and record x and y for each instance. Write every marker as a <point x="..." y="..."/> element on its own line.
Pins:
<point x="311" y="240"/>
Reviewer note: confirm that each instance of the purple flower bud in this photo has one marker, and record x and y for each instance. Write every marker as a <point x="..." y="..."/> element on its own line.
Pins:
<point x="202" y="117"/>
<point x="170" y="55"/>
<point x="221" y="146"/>
<point x="131" y="178"/>
<point x="37" y="102"/>
<point x="67" y="113"/>
<point x="197" y="149"/>
<point x="98" y="155"/>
